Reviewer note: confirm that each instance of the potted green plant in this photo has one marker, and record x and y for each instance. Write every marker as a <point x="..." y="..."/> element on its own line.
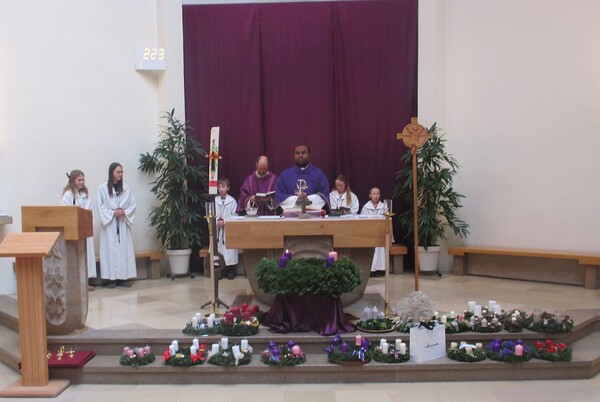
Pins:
<point x="180" y="179"/>
<point x="438" y="202"/>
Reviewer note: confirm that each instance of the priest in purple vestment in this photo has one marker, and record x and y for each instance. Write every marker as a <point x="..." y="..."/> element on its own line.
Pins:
<point x="259" y="183"/>
<point x="302" y="181"/>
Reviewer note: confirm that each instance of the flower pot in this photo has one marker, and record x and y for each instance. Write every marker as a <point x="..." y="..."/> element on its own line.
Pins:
<point x="179" y="261"/>
<point x="429" y="259"/>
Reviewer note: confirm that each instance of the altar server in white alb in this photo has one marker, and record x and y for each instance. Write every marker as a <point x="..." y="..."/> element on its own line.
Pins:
<point x="376" y="207"/>
<point x="76" y="193"/>
<point x="341" y="198"/>
<point x="116" y="206"/>
<point x="225" y="206"/>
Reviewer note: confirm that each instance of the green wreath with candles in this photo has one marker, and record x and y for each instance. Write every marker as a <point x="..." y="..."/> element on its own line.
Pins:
<point x="308" y="276"/>
<point x="471" y="355"/>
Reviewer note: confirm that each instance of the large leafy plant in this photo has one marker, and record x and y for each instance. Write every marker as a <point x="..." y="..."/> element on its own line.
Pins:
<point x="176" y="161"/>
<point x="438" y="202"/>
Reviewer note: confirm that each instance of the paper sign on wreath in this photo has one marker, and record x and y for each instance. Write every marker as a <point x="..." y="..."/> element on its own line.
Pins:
<point x="213" y="161"/>
<point x="427" y="344"/>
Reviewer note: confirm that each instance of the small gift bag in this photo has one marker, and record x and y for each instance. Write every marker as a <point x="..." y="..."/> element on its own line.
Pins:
<point x="427" y="342"/>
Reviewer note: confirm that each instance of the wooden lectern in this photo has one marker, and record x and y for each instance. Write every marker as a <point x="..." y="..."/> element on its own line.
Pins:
<point x="29" y="249"/>
<point x="65" y="269"/>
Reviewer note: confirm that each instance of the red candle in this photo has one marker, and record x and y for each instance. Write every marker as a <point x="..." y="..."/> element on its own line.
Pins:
<point x="235" y="311"/>
<point x="228" y="318"/>
<point x="244" y="307"/>
<point x="255" y="309"/>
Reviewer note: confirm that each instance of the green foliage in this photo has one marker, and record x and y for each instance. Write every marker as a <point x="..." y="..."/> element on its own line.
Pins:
<point x="461" y="355"/>
<point x="308" y="276"/>
<point x="176" y="161"/>
<point x="437" y="201"/>
<point x="376" y="324"/>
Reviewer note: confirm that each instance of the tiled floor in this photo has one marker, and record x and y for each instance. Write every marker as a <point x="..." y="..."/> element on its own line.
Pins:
<point x="169" y="304"/>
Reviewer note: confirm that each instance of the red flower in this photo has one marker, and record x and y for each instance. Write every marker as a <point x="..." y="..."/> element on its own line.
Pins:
<point x="562" y="345"/>
<point x="552" y="348"/>
<point x="548" y="343"/>
<point x="166" y="355"/>
<point x="539" y="345"/>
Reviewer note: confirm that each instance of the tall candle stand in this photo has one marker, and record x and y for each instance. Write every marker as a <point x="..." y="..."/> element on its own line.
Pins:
<point x="388" y="243"/>
<point x="415" y="136"/>
<point x="214" y="297"/>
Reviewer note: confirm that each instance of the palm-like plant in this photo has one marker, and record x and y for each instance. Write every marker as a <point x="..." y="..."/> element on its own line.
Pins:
<point x="438" y="202"/>
<point x="177" y="163"/>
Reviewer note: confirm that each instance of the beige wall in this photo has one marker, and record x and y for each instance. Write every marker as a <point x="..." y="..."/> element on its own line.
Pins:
<point x="515" y="84"/>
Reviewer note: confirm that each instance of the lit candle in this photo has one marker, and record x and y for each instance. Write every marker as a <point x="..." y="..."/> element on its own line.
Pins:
<point x="288" y="254"/>
<point x="215" y="348"/>
<point x="334" y="255"/>
<point x="244" y="344"/>
<point x="282" y="261"/>
<point x="453" y="345"/>
<point x="403" y="348"/>
<point x="518" y="350"/>
<point x="224" y="343"/>
<point x="195" y="322"/>
<point x="358" y="340"/>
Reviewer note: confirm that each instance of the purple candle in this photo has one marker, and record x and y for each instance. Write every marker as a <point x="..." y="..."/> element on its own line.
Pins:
<point x="329" y="262"/>
<point x="344" y="347"/>
<point x="288" y="254"/>
<point x="282" y="261"/>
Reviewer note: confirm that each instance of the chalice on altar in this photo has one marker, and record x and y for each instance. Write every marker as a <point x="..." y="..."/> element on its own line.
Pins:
<point x="251" y="209"/>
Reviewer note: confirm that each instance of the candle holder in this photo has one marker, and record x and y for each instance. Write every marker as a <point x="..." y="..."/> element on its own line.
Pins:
<point x="214" y="299"/>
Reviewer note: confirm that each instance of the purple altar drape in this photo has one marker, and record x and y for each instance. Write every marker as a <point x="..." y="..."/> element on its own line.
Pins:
<point x="294" y="313"/>
<point x="339" y="76"/>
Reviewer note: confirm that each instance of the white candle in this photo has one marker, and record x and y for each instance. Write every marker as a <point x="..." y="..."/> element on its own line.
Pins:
<point x="443" y="319"/>
<point x="199" y="315"/>
<point x="497" y="309"/>
<point x="479" y="346"/>
<point x="212" y="315"/>
<point x="471" y="306"/>
<point x="176" y="345"/>
<point x="484" y="323"/>
<point x="224" y="343"/>
<point x="477" y="310"/>
<point x="210" y="322"/>
<point x="235" y="350"/>
<point x="469" y="350"/>
<point x="195" y="343"/>
<point x="374" y="312"/>
<point x="193" y="350"/>
<point x="215" y="348"/>
<point x="385" y="348"/>
<point x="537" y="316"/>
<point x="172" y="350"/>
<point x="403" y="348"/>
<point x="195" y="322"/>
<point x="244" y="344"/>
<point x="382" y="342"/>
<point x="491" y="304"/>
<point x="366" y="314"/>
<point x="397" y="343"/>
<point x="453" y="345"/>
<point x="513" y="319"/>
<point x="452" y="314"/>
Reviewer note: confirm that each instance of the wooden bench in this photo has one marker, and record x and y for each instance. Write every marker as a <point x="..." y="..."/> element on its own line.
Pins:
<point x="147" y="262"/>
<point x="535" y="265"/>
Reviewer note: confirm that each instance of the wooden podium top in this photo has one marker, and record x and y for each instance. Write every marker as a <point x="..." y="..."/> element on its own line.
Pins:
<point x="75" y="222"/>
<point x="28" y="244"/>
<point x="257" y="233"/>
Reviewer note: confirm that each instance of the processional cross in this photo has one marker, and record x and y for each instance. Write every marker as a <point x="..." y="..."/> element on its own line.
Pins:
<point x="415" y="136"/>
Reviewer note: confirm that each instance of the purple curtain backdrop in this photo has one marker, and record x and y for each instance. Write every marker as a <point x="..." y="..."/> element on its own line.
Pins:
<point x="338" y="76"/>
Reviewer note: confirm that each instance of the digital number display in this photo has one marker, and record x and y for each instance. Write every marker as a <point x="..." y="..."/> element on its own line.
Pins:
<point x="150" y="58"/>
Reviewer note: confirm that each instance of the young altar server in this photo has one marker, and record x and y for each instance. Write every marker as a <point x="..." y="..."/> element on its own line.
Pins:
<point x="342" y="198"/>
<point x="225" y="206"/>
<point x="76" y="193"/>
<point x="376" y="207"/>
<point x="116" y="206"/>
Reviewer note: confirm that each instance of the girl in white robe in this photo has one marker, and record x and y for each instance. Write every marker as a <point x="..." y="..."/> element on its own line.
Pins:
<point x="342" y="197"/>
<point x="376" y="207"/>
<point x="225" y="206"/>
<point x="76" y="193"/>
<point x="116" y="207"/>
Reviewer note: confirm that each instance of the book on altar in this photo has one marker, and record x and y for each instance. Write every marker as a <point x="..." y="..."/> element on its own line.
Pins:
<point x="265" y="195"/>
